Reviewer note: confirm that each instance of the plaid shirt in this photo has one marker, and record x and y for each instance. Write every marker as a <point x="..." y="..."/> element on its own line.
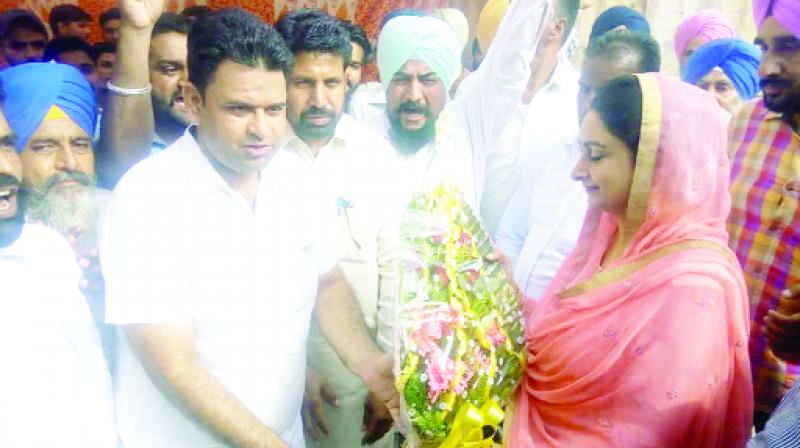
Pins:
<point x="765" y="229"/>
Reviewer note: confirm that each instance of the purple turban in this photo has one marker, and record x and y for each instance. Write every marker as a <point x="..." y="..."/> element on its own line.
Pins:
<point x="708" y="24"/>
<point x="786" y="12"/>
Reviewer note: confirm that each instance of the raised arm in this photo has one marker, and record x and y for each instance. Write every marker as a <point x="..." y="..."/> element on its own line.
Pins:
<point x="497" y="87"/>
<point x="128" y="127"/>
<point x="169" y="357"/>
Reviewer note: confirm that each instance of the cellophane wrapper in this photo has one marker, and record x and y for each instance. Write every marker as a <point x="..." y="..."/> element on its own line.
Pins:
<point x="459" y="327"/>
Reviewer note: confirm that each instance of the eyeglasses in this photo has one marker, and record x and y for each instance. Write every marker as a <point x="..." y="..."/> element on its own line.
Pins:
<point x="17" y="45"/>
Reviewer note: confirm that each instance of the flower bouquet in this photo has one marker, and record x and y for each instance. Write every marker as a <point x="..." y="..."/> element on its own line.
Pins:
<point x="459" y="326"/>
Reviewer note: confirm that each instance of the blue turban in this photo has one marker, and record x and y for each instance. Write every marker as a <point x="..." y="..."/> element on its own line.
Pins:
<point x="617" y="16"/>
<point x="32" y="89"/>
<point x="737" y="58"/>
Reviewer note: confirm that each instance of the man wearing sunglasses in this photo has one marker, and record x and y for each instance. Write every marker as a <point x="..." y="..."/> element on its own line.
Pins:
<point x="23" y="37"/>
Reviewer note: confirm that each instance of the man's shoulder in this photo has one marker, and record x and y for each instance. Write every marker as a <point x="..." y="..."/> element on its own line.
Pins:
<point x="38" y="242"/>
<point x="363" y="137"/>
<point x="161" y="171"/>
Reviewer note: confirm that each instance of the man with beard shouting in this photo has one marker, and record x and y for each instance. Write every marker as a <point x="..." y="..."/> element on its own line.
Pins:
<point x="764" y="222"/>
<point x="418" y="60"/>
<point x="354" y="166"/>
<point x="145" y="111"/>
<point x="52" y="110"/>
<point x="55" y="385"/>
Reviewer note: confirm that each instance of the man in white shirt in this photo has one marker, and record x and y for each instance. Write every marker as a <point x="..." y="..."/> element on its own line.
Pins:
<point x="52" y="110"/>
<point x="55" y="385"/>
<point x="354" y="166"/>
<point x="214" y="251"/>
<point x="545" y="118"/>
<point x="544" y="217"/>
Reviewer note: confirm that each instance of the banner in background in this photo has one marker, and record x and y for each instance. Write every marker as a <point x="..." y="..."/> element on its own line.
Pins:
<point x="367" y="13"/>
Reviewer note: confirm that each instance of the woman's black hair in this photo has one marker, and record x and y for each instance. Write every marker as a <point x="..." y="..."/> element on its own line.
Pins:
<point x="619" y="104"/>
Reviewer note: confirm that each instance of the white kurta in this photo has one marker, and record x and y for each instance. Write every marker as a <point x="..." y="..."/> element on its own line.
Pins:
<point x="543" y="220"/>
<point x="548" y="123"/>
<point x="55" y="389"/>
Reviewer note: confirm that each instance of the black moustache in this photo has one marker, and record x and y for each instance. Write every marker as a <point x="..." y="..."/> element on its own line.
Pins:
<point x="775" y="82"/>
<point x="7" y="180"/>
<point x="412" y="109"/>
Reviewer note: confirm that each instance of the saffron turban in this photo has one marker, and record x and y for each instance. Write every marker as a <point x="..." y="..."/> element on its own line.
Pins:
<point x="426" y="39"/>
<point x="618" y="16"/>
<point x="786" y="12"/>
<point x="33" y="89"/>
<point x="737" y="58"/>
<point x="457" y="21"/>
<point x="489" y="21"/>
<point x="708" y="24"/>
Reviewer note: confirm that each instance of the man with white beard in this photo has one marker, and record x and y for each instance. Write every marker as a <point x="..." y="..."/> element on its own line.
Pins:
<point x="51" y="109"/>
<point x="55" y="386"/>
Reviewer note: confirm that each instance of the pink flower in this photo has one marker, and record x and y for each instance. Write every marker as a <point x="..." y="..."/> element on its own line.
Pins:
<point x="439" y="373"/>
<point x="473" y="277"/>
<point x="463" y="383"/>
<point x="442" y="273"/>
<point x="494" y="335"/>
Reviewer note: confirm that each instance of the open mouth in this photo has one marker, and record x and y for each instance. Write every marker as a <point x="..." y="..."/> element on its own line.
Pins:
<point x="8" y="202"/>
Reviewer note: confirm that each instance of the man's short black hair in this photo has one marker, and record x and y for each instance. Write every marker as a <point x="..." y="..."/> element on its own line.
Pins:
<point x="169" y="22"/>
<point x="616" y="44"/>
<point x="67" y="14"/>
<point x="64" y="44"/>
<point x="359" y="36"/>
<point x="109" y="14"/>
<point x="20" y="18"/>
<point x="568" y="9"/>
<point x="101" y="48"/>
<point x="196" y="12"/>
<point x="233" y="35"/>
<point x="312" y="31"/>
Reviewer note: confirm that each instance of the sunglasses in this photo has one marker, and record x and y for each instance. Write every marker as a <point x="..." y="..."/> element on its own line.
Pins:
<point x="19" y="46"/>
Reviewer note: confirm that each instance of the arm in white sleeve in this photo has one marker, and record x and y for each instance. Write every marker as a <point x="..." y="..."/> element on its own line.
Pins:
<point x="498" y="84"/>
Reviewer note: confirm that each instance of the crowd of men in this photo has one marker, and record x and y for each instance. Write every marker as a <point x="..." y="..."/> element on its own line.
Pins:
<point x="237" y="288"/>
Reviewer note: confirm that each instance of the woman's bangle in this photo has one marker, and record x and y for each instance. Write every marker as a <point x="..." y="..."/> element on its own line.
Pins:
<point x="124" y="91"/>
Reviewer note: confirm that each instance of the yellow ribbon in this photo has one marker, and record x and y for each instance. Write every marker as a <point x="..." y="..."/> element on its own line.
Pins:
<point x="467" y="431"/>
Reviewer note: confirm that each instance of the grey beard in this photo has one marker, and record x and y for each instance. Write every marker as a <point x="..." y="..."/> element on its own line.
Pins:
<point x="71" y="209"/>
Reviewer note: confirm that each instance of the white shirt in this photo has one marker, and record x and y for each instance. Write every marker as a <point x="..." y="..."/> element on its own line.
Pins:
<point x="357" y="173"/>
<point x="367" y="102"/>
<point x="547" y="123"/>
<point x="55" y="389"/>
<point x="178" y="245"/>
<point x="543" y="219"/>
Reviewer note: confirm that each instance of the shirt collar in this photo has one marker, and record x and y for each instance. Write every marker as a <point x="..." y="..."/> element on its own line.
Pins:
<point x="345" y="128"/>
<point x="203" y="177"/>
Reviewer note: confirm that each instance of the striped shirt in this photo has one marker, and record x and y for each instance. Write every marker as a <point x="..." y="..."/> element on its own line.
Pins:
<point x="783" y="427"/>
<point x="765" y="229"/>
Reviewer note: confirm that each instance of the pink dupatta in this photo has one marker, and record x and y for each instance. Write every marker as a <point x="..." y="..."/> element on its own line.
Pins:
<point x="652" y="350"/>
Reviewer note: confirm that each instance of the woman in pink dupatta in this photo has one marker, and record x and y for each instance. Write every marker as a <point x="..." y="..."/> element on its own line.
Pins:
<point x="644" y="344"/>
